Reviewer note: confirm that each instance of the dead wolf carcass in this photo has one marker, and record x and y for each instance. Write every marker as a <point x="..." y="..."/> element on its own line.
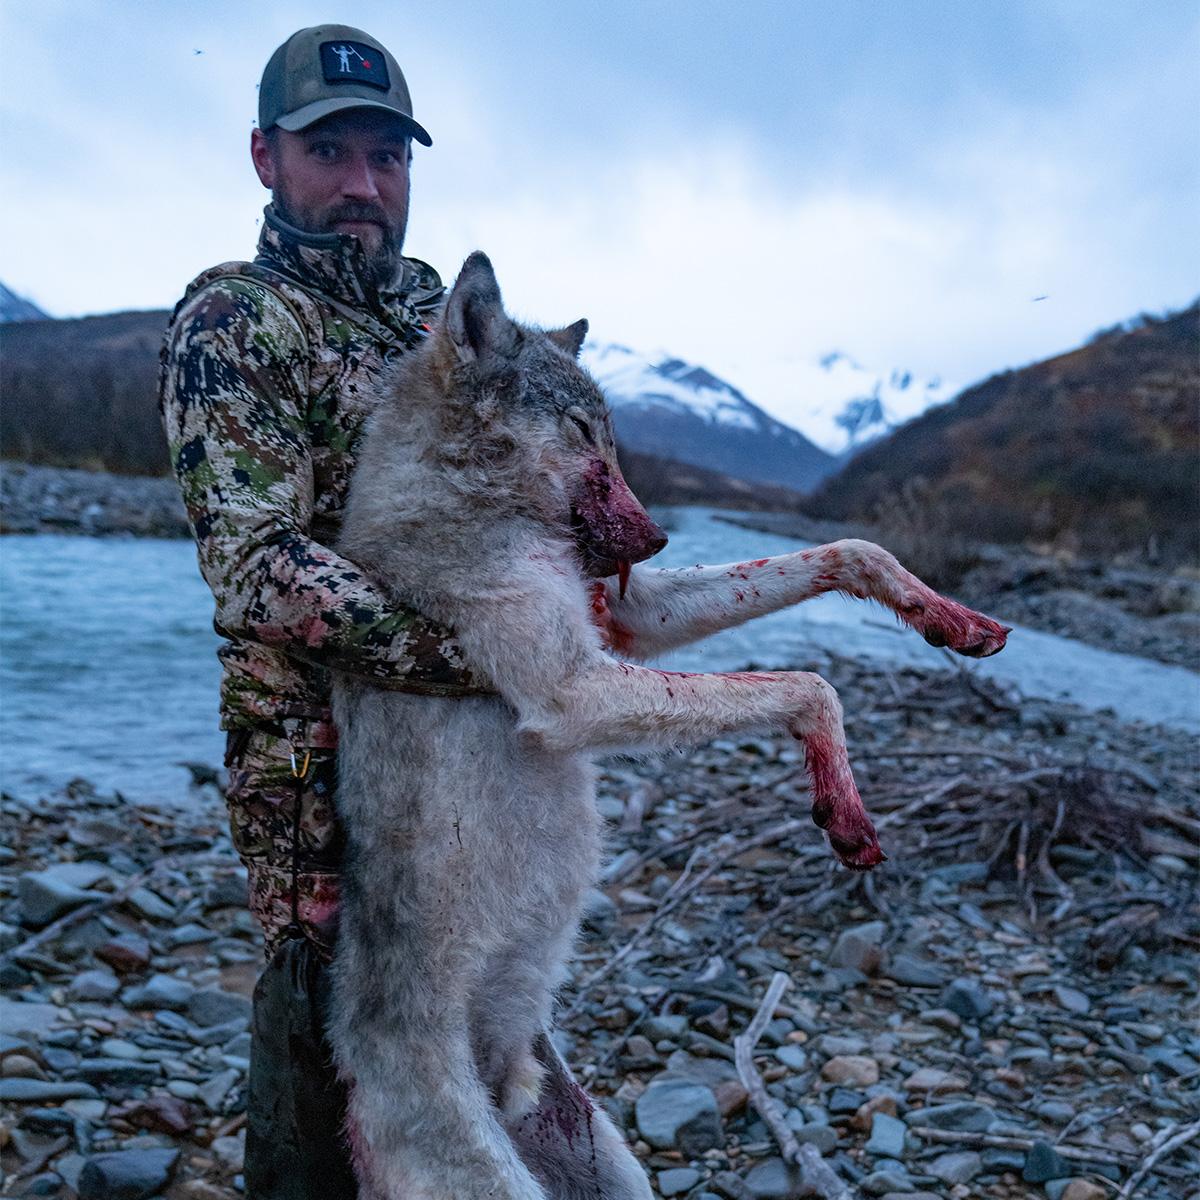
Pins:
<point x="488" y="497"/>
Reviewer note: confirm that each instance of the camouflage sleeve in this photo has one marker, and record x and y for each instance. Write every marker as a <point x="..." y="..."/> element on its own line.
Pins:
<point x="235" y="382"/>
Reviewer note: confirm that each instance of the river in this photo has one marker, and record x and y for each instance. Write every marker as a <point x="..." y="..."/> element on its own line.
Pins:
<point x="108" y="667"/>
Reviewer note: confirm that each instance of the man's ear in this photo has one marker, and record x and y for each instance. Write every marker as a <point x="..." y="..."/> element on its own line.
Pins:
<point x="571" y="339"/>
<point x="475" y="318"/>
<point x="260" y="155"/>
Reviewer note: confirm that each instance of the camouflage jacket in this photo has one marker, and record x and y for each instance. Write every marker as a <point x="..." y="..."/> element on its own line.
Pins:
<point x="269" y="371"/>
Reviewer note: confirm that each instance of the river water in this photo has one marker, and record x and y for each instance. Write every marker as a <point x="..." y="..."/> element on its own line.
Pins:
<point x="108" y="667"/>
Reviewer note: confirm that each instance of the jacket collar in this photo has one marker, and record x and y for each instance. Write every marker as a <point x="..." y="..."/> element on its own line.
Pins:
<point x="333" y="263"/>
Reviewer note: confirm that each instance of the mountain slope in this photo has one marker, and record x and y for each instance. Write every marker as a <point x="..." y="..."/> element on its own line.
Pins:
<point x="675" y="410"/>
<point x="1093" y="451"/>
<point x="17" y="308"/>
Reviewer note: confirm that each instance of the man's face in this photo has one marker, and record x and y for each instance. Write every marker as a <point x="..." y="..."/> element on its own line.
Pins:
<point x="347" y="173"/>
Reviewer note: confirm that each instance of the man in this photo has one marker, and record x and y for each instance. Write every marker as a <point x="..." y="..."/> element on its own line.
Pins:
<point x="269" y="371"/>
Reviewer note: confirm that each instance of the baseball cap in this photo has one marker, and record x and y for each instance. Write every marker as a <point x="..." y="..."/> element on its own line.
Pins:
<point x="329" y="68"/>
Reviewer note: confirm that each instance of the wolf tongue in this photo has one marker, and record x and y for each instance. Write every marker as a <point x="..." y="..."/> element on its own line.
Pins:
<point x="623" y="575"/>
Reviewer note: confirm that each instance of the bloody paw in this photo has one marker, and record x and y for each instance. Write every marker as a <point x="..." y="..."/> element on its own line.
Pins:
<point x="945" y="622"/>
<point x="850" y="831"/>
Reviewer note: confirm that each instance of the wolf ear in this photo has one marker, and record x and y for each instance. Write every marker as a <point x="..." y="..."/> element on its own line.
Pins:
<point x="475" y="317"/>
<point x="570" y="340"/>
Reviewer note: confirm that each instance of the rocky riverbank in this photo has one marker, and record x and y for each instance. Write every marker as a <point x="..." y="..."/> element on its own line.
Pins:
<point x="36" y="499"/>
<point x="1006" y="1009"/>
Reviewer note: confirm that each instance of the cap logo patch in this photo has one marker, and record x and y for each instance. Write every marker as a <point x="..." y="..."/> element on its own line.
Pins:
<point x="354" y="62"/>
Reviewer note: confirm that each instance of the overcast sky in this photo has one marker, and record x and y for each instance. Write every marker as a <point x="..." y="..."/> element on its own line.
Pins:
<point x="949" y="187"/>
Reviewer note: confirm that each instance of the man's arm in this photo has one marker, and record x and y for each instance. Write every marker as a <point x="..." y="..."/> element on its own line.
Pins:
<point x="234" y="399"/>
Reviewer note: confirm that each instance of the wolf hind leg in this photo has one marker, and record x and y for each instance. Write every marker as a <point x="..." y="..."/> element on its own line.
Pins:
<point x="571" y="1146"/>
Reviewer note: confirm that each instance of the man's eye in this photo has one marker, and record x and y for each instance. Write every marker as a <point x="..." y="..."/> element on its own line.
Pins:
<point x="325" y="150"/>
<point x="385" y="158"/>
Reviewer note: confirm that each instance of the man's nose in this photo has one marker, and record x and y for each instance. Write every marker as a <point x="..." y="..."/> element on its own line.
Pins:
<point x="358" y="181"/>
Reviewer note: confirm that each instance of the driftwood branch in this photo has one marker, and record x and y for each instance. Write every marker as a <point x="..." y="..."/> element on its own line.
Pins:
<point x="1163" y="1144"/>
<point x="815" y="1175"/>
<point x="1085" y="1153"/>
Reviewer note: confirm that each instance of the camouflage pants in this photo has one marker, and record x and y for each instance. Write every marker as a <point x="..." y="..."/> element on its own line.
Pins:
<point x="261" y="799"/>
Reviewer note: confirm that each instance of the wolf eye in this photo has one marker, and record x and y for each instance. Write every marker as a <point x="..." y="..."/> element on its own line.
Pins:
<point x="584" y="428"/>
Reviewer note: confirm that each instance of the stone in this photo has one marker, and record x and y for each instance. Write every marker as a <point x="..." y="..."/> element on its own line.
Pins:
<point x="21" y="1066"/>
<point x="1043" y="1162"/>
<point x="677" y="1180"/>
<point x="967" y="998"/>
<point x="230" y="1151"/>
<point x="35" y="1091"/>
<point x="679" y="1114"/>
<point x="189" y="935"/>
<point x="127" y="953"/>
<point x="149" y="904"/>
<point x="843" y="1100"/>
<point x="122" y="1071"/>
<point x="47" y="895"/>
<point x="212" y="1006"/>
<point x="934" y="1081"/>
<point x="865" y="1114"/>
<point x="959" y="1166"/>
<point x="835" y="1044"/>
<point x="823" y="1137"/>
<point x="599" y="913"/>
<point x="769" y="1180"/>
<point x="126" y="1174"/>
<point x="731" y="1095"/>
<point x="854" y="1069"/>
<point x="99" y="986"/>
<point x="914" y="972"/>
<point x="1084" y="1189"/>
<point x="161" y="1114"/>
<point x="1072" y="999"/>
<point x="34" y="1020"/>
<point x="859" y="948"/>
<point x="160" y="991"/>
<point x="89" y="1110"/>
<point x="967" y="1117"/>
<point x="729" y="1186"/>
<point x="184" y="1089"/>
<point x="212" y="1093"/>
<point x="218" y="1035"/>
<point x="887" y="1136"/>
<point x="792" y="1056"/>
<point x="1057" y="1112"/>
<point x="1003" y="1160"/>
<point x="943" y="1018"/>
<point x="656" y="1028"/>
<point x="888" y="1177"/>
<point x="230" y="891"/>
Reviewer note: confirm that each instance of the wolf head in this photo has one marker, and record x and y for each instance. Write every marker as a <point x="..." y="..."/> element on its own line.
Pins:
<point x="524" y="416"/>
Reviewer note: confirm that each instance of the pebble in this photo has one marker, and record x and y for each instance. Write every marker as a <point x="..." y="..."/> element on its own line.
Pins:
<point x="160" y="991"/>
<point x="769" y="1180"/>
<point x="213" y="1007"/>
<point x="676" y="1180"/>
<point x="217" y="1088"/>
<point x="679" y="1114"/>
<point x="126" y="1175"/>
<point x="1043" y="1162"/>
<point x="1084" y="1189"/>
<point x="823" y="1137"/>
<point x="967" y="998"/>
<point x="966" y="1117"/>
<point x="47" y="895"/>
<point x="1057" y="1112"/>
<point x="127" y="953"/>
<point x="100" y="986"/>
<point x="887" y="1136"/>
<point x="859" y="948"/>
<point x="959" y="1166"/>
<point x="31" y="1091"/>
<point x="149" y="904"/>
<point x="792" y="1056"/>
<point x="914" y="972"/>
<point x="854" y="1069"/>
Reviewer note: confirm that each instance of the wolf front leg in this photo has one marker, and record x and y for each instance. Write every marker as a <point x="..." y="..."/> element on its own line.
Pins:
<point x="666" y="608"/>
<point x="613" y="704"/>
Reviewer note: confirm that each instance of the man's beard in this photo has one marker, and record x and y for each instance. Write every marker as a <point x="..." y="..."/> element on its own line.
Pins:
<point x="382" y="261"/>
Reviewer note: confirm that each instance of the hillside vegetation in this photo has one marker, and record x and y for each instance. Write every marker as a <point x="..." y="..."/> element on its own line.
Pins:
<point x="1093" y="452"/>
<point x="83" y="393"/>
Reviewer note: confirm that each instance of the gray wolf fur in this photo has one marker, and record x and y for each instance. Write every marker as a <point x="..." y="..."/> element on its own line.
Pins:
<point x="488" y="497"/>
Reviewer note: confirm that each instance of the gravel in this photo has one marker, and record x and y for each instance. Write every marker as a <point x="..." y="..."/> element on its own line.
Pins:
<point x="1006" y="1009"/>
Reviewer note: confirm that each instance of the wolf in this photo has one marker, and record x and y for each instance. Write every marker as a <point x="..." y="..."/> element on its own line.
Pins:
<point x="488" y="496"/>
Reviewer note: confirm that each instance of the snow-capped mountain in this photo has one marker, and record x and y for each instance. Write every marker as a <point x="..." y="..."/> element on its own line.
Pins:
<point x="842" y="406"/>
<point x="677" y="410"/>
<point x="17" y="308"/>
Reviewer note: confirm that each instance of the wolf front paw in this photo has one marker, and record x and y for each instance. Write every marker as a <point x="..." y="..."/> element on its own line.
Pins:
<point x="944" y="622"/>
<point x="851" y="833"/>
